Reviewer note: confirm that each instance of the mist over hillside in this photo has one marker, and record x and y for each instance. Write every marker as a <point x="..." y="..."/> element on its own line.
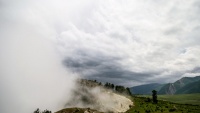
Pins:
<point x="93" y="95"/>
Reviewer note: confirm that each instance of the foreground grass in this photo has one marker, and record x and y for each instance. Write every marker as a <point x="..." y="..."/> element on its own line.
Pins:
<point x="142" y="106"/>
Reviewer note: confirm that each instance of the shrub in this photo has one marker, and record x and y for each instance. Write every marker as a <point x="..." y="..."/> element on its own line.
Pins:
<point x="172" y="110"/>
<point x="38" y="111"/>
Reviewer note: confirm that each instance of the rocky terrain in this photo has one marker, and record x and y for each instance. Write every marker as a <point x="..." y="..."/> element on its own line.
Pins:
<point x="92" y="95"/>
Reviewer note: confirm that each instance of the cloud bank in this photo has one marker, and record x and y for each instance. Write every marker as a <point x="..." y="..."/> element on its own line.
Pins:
<point x="127" y="42"/>
<point x="134" y="42"/>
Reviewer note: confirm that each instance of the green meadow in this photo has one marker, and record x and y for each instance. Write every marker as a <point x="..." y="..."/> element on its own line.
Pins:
<point x="179" y="98"/>
<point x="182" y="98"/>
<point x="142" y="105"/>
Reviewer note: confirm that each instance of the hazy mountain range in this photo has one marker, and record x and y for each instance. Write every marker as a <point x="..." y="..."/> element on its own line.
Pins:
<point x="185" y="85"/>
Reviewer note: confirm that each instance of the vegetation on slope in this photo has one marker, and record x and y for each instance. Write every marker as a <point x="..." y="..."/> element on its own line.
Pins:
<point x="39" y="111"/>
<point x="173" y="88"/>
<point x="190" y="88"/>
<point x="182" y="98"/>
<point x="143" y="105"/>
<point x="179" y="98"/>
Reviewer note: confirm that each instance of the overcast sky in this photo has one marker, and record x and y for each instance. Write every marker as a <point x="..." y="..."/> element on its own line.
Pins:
<point x="132" y="42"/>
<point x="126" y="42"/>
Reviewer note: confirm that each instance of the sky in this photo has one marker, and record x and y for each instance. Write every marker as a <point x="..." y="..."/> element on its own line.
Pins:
<point x="133" y="42"/>
<point x="125" y="42"/>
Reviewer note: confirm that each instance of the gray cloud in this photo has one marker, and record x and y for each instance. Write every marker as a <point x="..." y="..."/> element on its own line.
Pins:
<point x="103" y="68"/>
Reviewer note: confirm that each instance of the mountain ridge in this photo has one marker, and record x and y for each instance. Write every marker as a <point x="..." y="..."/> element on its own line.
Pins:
<point x="184" y="85"/>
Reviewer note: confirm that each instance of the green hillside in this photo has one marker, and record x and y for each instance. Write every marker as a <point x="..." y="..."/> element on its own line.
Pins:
<point x="172" y="88"/>
<point x="184" y="85"/>
<point x="190" y="88"/>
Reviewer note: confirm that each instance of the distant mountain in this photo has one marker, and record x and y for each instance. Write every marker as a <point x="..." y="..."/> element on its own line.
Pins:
<point x="172" y="88"/>
<point x="184" y="85"/>
<point x="193" y="87"/>
<point x="145" y="89"/>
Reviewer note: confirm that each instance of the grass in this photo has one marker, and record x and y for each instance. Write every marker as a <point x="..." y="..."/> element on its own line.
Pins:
<point x="180" y="98"/>
<point x="143" y="106"/>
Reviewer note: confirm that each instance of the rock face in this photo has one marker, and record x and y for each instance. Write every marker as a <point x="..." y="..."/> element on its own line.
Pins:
<point x="171" y="89"/>
<point x="89" y="94"/>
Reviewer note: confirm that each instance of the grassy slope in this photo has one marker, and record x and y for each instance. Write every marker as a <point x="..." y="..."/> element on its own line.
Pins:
<point x="180" y="98"/>
<point x="142" y="106"/>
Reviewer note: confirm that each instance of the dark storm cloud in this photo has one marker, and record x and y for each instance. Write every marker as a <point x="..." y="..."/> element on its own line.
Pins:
<point x="81" y="60"/>
<point x="103" y="68"/>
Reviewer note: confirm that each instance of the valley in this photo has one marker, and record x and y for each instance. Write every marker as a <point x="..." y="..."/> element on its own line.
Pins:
<point x="193" y="99"/>
<point x="91" y="96"/>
